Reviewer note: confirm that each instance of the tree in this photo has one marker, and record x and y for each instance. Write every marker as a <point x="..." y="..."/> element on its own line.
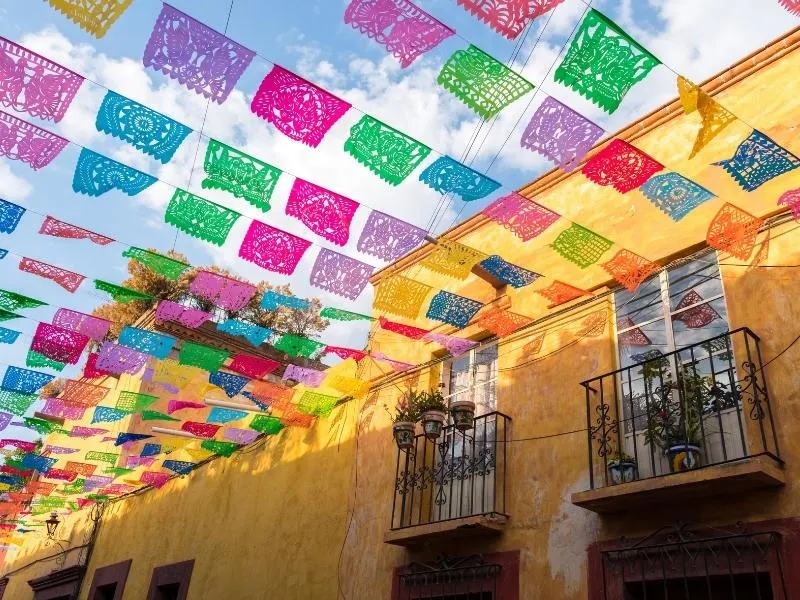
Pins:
<point x="306" y="322"/>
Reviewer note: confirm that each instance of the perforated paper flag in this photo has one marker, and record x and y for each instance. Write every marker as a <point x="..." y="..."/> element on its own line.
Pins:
<point x="337" y="314"/>
<point x="8" y="336"/>
<point x="560" y="134"/>
<point x="400" y="296"/>
<point x="299" y="109"/>
<point x="93" y="327"/>
<point x="734" y="231"/>
<point x="508" y="273"/>
<point x="630" y="269"/>
<point x="195" y="55"/>
<point x="404" y="29"/>
<point x="272" y="249"/>
<point x="150" y="342"/>
<point x="255" y="334"/>
<point x="68" y="280"/>
<point x="119" y="359"/>
<point x="17" y="379"/>
<point x="324" y="212"/>
<point x="272" y="300"/>
<point x="36" y="360"/>
<point x="603" y="63"/>
<point x="10" y="215"/>
<point x="622" y="166"/>
<point x="134" y="402"/>
<point x="96" y="174"/>
<point x="389" y="238"/>
<point x="93" y="16"/>
<point x="106" y="414"/>
<point x="523" y="217"/>
<point x="158" y="263"/>
<point x="222" y="291"/>
<point x="252" y="366"/>
<point x="308" y="377"/>
<point x="119" y="293"/>
<point x="674" y="195"/>
<point x="199" y="217"/>
<point x="13" y="301"/>
<point x="296" y="345"/>
<point x="508" y="17"/>
<point x="757" y="160"/>
<point x="167" y="310"/>
<point x="452" y="309"/>
<point x="30" y="83"/>
<point x="714" y="117"/>
<point x="793" y="6"/>
<point x="205" y="430"/>
<point x="388" y="153"/>
<point x="580" y="245"/>
<point x="82" y="393"/>
<point x="20" y="140"/>
<point x="202" y="356"/>
<point x="16" y="402"/>
<point x="792" y="200"/>
<point x="315" y="404"/>
<point x="454" y="344"/>
<point x="453" y="259"/>
<point x="231" y="384"/>
<point x="340" y="274"/>
<point x="56" y="228"/>
<point x="58" y="344"/>
<point x="559" y="293"/>
<point x="143" y="128"/>
<point x="239" y="174"/>
<point x="501" y="322"/>
<point x="482" y="82"/>
<point x="225" y="415"/>
<point x="449" y="176"/>
<point x="409" y="331"/>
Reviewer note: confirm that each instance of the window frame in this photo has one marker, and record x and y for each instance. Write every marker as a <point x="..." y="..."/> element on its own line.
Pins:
<point x="470" y="354"/>
<point x="176" y="573"/>
<point x="116" y="573"/>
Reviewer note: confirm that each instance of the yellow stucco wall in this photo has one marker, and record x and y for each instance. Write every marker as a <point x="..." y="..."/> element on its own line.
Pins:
<point x="304" y="516"/>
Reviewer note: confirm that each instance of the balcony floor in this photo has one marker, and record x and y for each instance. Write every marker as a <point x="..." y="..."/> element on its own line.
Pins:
<point x="742" y="475"/>
<point x="478" y="525"/>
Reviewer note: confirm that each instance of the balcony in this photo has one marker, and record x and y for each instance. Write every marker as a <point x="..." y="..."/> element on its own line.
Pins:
<point x="452" y="487"/>
<point x="695" y="422"/>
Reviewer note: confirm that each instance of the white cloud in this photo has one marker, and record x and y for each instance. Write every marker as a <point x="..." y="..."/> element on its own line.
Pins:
<point x="13" y="187"/>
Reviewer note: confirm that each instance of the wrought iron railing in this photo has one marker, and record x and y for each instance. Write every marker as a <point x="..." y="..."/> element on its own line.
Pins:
<point x="461" y="474"/>
<point x="701" y="405"/>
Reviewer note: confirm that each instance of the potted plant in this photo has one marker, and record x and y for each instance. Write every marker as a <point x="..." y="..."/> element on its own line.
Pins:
<point x="673" y="422"/>
<point x="463" y="414"/>
<point x="404" y="421"/>
<point x="432" y="408"/>
<point x="622" y="468"/>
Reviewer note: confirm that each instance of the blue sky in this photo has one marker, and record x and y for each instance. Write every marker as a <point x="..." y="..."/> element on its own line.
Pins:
<point x="309" y="36"/>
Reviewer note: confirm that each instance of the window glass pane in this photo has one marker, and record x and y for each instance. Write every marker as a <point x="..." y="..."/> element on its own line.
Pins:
<point x="642" y="343"/>
<point x="694" y="282"/>
<point x="644" y="305"/>
<point x="459" y="374"/>
<point x="699" y="322"/>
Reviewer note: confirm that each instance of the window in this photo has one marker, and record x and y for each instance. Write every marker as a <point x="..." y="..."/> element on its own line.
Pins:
<point x="171" y="582"/>
<point x="109" y="582"/>
<point x="473" y="376"/>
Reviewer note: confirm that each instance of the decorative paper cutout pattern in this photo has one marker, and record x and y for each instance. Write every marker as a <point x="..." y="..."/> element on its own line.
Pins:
<point x="580" y="245"/>
<point x="61" y="475"/>
<point x="265" y="424"/>
<point x="757" y="160"/>
<point x="272" y="300"/>
<point x="481" y="82"/>
<point x="325" y="213"/>
<point x="272" y="249"/>
<point x="96" y="174"/>
<point x="30" y="83"/>
<point x="154" y="478"/>
<point x="523" y="217"/>
<point x="296" y="107"/>
<point x="560" y="134"/>
<point x="158" y="263"/>
<point x="229" y="294"/>
<point x="129" y="438"/>
<point x="105" y="414"/>
<point x="346" y="353"/>
<point x="86" y="432"/>
<point x="58" y="344"/>
<point x="252" y="366"/>
<point x="792" y="200"/>
<point x="150" y="342"/>
<point x="10" y="215"/>
<point x="404" y="29"/>
<point x="231" y="384"/>
<point x="315" y="404"/>
<point x="452" y="259"/>
<point x="295" y="345"/>
<point x="222" y="448"/>
<point x="119" y="359"/>
<point x="388" y="153"/>
<point x="603" y="63"/>
<point x="308" y="377"/>
<point x="37" y="462"/>
<point x="559" y="293"/>
<point x="349" y="386"/>
<point x="225" y="415"/>
<point x="508" y="273"/>
<point x="134" y="402"/>
<point x="447" y="176"/>
<point x="195" y="55"/>
<point x="734" y="231"/>
<point x="254" y="334"/>
<point x="66" y="279"/>
<point x="337" y="314"/>
<point x="205" y="430"/>
<point x="150" y="450"/>
<point x="168" y="310"/>
<point x="340" y="274"/>
<point x="92" y="327"/>
<point x="394" y="364"/>
<point x="239" y="436"/>
<point x="714" y="116"/>
<point x="93" y="16"/>
<point x="20" y="140"/>
<point x="17" y="379"/>
<point x="176" y="405"/>
<point x="12" y="301"/>
<point x="205" y="357"/>
<point x="502" y="322"/>
<point x="152" y="415"/>
<point x="179" y="467"/>
<point x="119" y="293"/>
<point x="83" y="394"/>
<point x="400" y="296"/>
<point x="16" y="402"/>
<point x="674" y="195"/>
<point x="56" y="407"/>
<point x="698" y="316"/>
<point x="630" y="269"/>
<point x="42" y="426"/>
<point x="508" y="17"/>
<point x="622" y="166"/>
<point x="389" y="238"/>
<point x="56" y="228"/>
<point x="7" y="316"/>
<point x="199" y="217"/>
<point x="453" y="309"/>
<point x="455" y="345"/>
<point x="148" y="131"/>
<point x="239" y="174"/>
<point x="414" y="333"/>
<point x="793" y="6"/>
<point x="8" y="336"/>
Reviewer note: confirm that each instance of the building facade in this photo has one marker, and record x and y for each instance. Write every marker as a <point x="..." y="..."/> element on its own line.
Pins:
<point x="625" y="444"/>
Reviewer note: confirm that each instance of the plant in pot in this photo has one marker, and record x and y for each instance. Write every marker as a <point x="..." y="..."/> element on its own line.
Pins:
<point x="432" y="408"/>
<point x="463" y="414"/>
<point x="404" y="420"/>
<point x="622" y="468"/>
<point x="673" y="422"/>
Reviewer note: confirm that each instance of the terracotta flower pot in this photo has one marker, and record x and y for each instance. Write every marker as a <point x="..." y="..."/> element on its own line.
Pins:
<point x="403" y="432"/>
<point x="463" y="413"/>
<point x="432" y="423"/>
